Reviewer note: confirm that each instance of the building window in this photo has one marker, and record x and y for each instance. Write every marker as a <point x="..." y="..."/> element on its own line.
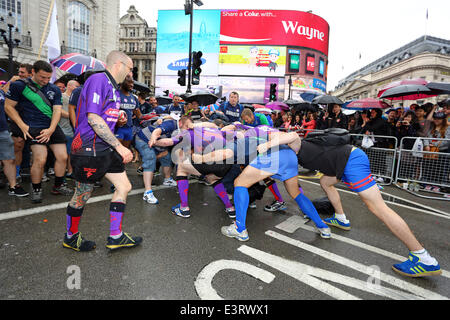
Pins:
<point x="132" y="32"/>
<point x="131" y="47"/>
<point x="79" y="27"/>
<point x="147" y="65"/>
<point x="15" y="7"/>
<point x="148" y="46"/>
<point x="148" y="81"/>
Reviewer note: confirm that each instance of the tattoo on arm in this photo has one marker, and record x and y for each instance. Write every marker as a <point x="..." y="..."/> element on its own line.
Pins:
<point x="102" y="130"/>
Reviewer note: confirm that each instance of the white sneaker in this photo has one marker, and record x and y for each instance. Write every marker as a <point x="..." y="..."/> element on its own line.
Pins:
<point x="252" y="205"/>
<point x="150" y="198"/>
<point x="169" y="182"/>
<point x="231" y="232"/>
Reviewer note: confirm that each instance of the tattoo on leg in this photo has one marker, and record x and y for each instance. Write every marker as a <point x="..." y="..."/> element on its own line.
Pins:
<point x="82" y="194"/>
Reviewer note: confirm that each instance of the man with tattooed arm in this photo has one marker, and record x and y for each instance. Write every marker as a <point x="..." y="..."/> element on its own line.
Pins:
<point x="97" y="153"/>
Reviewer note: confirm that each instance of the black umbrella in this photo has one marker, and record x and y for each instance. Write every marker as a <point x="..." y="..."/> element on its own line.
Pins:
<point x="141" y="87"/>
<point x="326" y="99"/>
<point x="305" y="107"/>
<point x="408" y="92"/>
<point x="162" y="100"/>
<point x="204" y="98"/>
<point x="439" y="87"/>
<point x="293" y="103"/>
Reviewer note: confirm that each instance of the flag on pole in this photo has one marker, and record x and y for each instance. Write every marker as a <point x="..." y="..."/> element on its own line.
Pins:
<point x="54" y="48"/>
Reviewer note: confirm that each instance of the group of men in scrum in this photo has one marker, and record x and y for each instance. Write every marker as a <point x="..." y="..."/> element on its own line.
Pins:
<point x="204" y="149"/>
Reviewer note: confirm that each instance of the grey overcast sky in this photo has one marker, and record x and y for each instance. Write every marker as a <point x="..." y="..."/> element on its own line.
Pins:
<point x="357" y="27"/>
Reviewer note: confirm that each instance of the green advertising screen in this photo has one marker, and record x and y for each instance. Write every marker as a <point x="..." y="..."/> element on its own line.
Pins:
<point x="294" y="62"/>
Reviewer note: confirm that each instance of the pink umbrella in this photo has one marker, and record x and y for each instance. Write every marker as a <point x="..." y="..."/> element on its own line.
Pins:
<point x="417" y="81"/>
<point x="277" y="105"/>
<point x="368" y="103"/>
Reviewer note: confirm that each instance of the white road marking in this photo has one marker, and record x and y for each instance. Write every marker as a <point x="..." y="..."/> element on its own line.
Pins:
<point x="203" y="283"/>
<point x="308" y="274"/>
<point x="295" y="222"/>
<point x="62" y="205"/>
<point x="419" y="291"/>
<point x="437" y="213"/>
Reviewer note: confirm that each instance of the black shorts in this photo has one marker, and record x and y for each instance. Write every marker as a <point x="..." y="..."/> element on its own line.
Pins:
<point x="58" y="137"/>
<point x="15" y="130"/>
<point x="88" y="169"/>
<point x="219" y="170"/>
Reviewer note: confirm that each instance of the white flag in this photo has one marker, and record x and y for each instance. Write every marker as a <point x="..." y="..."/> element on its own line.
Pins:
<point x="54" y="48"/>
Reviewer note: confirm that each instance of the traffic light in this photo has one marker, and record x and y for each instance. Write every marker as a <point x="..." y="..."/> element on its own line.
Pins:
<point x="182" y="77"/>
<point x="273" y="92"/>
<point x="196" y="70"/>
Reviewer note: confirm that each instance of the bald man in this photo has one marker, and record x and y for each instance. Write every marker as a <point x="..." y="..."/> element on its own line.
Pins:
<point x="97" y="153"/>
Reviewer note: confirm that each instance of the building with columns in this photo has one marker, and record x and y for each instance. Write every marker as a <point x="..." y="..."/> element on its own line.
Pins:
<point x="427" y="58"/>
<point x="138" y="40"/>
<point x="90" y="27"/>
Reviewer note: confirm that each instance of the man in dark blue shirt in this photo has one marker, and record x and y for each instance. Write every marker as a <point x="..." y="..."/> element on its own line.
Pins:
<point x="7" y="153"/>
<point x="129" y="104"/>
<point x="155" y="108"/>
<point x="38" y="122"/>
<point x="176" y="107"/>
<point x="232" y="109"/>
<point x="144" y="106"/>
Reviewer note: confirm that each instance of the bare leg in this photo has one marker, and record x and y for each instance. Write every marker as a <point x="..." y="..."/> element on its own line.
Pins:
<point x="39" y="159"/>
<point x="372" y="198"/>
<point x="327" y="183"/>
<point x="122" y="186"/>
<point x="60" y="152"/>
<point x="9" y="169"/>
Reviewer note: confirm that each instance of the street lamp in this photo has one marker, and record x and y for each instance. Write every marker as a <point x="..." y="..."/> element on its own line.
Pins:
<point x="189" y="9"/>
<point x="11" y="36"/>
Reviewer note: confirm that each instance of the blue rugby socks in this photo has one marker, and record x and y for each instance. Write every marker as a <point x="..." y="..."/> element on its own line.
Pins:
<point x="241" y="201"/>
<point x="308" y="208"/>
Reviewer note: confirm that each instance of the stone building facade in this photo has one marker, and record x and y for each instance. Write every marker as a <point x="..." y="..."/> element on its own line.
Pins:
<point x="90" y="27"/>
<point x="427" y="58"/>
<point x="138" y="40"/>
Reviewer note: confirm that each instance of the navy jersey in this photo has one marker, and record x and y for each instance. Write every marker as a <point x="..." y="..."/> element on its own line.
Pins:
<point x="3" y="123"/>
<point x="233" y="113"/>
<point x="128" y="104"/>
<point x="34" y="112"/>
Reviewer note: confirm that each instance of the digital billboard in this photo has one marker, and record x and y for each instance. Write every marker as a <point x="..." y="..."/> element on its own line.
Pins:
<point x="274" y="27"/>
<point x="252" y="89"/>
<point x="172" y="45"/>
<point x="244" y="51"/>
<point x="263" y="61"/>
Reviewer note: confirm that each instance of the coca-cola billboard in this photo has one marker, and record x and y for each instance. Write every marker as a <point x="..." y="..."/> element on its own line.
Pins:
<point x="274" y="27"/>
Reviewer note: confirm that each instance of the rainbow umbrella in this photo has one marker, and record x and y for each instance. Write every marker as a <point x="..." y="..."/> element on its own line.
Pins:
<point x="77" y="63"/>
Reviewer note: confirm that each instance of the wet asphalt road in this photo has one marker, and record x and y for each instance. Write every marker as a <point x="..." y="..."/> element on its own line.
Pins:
<point x="189" y="259"/>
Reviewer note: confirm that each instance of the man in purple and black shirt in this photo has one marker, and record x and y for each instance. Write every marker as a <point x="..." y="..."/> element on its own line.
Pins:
<point x="97" y="153"/>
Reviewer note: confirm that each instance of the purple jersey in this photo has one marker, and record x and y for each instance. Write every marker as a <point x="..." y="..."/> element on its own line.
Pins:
<point x="101" y="96"/>
<point x="201" y="138"/>
<point x="251" y="132"/>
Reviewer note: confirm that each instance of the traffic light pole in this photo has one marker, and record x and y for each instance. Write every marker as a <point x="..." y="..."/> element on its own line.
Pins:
<point x="188" y="90"/>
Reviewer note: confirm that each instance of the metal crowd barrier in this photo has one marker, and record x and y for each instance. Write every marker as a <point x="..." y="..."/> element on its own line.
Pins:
<point x="382" y="156"/>
<point x="423" y="173"/>
<point x="415" y="170"/>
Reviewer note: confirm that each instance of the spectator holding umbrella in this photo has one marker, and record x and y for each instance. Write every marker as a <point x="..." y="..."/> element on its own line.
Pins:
<point x="407" y="127"/>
